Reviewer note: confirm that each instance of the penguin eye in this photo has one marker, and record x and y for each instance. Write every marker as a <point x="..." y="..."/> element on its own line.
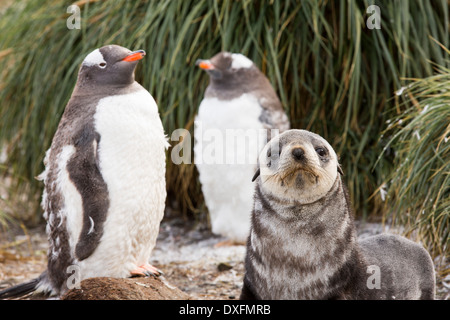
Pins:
<point x="102" y="65"/>
<point x="321" y="152"/>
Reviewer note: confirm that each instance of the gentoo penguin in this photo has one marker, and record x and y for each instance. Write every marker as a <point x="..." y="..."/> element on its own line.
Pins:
<point x="233" y="123"/>
<point x="104" y="178"/>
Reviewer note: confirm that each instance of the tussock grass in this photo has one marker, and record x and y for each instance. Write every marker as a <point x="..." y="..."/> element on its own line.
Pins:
<point x="333" y="75"/>
<point x="418" y="190"/>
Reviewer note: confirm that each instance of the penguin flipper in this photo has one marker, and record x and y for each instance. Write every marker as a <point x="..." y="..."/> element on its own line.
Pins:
<point x="85" y="173"/>
<point x="273" y="115"/>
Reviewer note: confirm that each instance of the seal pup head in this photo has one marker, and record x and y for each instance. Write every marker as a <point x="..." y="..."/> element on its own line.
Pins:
<point x="298" y="165"/>
<point x="111" y="65"/>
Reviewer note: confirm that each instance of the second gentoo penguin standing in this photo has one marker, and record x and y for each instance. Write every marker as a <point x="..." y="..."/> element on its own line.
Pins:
<point x="104" y="178"/>
<point x="239" y="97"/>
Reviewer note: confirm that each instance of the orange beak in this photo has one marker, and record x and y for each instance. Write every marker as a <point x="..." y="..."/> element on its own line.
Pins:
<point x="134" y="56"/>
<point x="204" y="64"/>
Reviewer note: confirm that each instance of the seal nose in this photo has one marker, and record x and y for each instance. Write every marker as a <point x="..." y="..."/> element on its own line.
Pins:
<point x="298" y="154"/>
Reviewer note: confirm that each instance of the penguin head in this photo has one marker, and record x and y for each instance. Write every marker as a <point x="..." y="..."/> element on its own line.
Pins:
<point x="226" y="66"/>
<point x="110" y="65"/>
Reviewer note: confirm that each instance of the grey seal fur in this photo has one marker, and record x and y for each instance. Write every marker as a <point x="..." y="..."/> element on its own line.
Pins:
<point x="303" y="243"/>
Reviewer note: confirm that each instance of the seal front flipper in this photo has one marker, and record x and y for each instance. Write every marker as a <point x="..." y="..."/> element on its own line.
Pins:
<point x="84" y="171"/>
<point x="247" y="293"/>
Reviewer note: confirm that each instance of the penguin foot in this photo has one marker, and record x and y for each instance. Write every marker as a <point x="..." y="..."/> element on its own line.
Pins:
<point x="228" y="243"/>
<point x="146" y="270"/>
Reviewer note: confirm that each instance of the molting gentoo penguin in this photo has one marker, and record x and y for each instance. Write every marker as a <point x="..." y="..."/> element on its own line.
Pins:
<point x="233" y="124"/>
<point x="104" y="178"/>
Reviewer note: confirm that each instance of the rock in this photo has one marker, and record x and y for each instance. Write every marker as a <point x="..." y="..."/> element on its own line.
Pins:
<point x="224" y="266"/>
<point x="137" y="288"/>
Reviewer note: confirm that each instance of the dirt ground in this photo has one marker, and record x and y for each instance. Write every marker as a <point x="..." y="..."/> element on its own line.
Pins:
<point x="187" y="253"/>
<point x="184" y="252"/>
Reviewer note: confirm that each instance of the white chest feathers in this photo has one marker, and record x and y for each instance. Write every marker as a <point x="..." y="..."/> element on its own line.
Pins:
<point x="132" y="162"/>
<point x="229" y="131"/>
<point x="228" y="138"/>
<point x="242" y="112"/>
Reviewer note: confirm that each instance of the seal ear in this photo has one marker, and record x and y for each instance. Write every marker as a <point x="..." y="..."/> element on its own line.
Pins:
<point x="339" y="169"/>
<point x="257" y="173"/>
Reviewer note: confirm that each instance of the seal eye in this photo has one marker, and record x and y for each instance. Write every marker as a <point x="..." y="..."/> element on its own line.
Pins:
<point x="102" y="65"/>
<point x="321" y="152"/>
<point x="269" y="152"/>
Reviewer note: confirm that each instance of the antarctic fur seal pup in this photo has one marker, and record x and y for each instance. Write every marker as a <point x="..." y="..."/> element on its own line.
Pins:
<point x="104" y="178"/>
<point x="303" y="244"/>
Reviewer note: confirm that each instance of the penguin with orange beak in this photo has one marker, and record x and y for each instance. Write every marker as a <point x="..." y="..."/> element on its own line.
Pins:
<point x="240" y="104"/>
<point x="104" y="179"/>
